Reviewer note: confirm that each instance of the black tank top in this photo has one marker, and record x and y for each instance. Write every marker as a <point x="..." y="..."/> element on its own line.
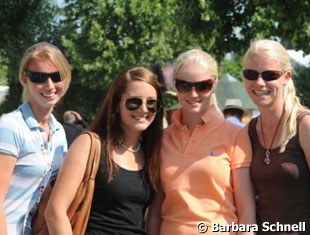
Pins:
<point x="118" y="207"/>
<point x="282" y="188"/>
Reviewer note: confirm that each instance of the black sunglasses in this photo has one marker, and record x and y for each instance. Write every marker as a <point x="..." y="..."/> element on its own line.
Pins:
<point x="38" y="77"/>
<point x="152" y="105"/>
<point x="202" y="86"/>
<point x="268" y="75"/>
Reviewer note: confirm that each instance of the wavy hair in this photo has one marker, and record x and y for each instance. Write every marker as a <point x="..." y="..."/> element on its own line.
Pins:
<point x="107" y="123"/>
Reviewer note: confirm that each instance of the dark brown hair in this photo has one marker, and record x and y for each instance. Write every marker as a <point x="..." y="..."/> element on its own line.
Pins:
<point x="107" y="123"/>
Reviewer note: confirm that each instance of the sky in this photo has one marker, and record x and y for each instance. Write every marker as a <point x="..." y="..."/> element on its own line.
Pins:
<point x="300" y="57"/>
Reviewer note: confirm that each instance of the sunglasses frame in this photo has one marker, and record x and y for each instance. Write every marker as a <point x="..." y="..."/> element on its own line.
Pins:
<point x="140" y="102"/>
<point x="40" y="78"/>
<point x="265" y="75"/>
<point x="197" y="85"/>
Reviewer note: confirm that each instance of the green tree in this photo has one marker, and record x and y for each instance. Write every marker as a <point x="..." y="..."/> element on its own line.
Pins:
<point x="100" y="37"/>
<point x="22" y="23"/>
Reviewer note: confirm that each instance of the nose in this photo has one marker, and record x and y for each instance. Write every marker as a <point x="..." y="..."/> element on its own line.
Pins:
<point x="193" y="92"/>
<point x="49" y="82"/>
<point x="260" y="80"/>
<point x="143" y="107"/>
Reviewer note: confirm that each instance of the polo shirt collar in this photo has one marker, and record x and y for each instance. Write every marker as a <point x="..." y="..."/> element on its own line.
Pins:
<point x="212" y="116"/>
<point x="32" y="122"/>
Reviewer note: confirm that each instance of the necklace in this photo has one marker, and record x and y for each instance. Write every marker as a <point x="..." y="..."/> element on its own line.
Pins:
<point x="267" y="158"/>
<point x="132" y="150"/>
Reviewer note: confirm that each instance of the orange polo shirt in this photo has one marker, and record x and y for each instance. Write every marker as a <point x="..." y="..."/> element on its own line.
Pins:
<point x="196" y="174"/>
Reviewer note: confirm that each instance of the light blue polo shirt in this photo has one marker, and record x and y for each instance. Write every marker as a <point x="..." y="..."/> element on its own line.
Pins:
<point x="38" y="161"/>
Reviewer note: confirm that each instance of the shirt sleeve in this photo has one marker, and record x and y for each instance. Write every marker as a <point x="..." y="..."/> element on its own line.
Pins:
<point x="242" y="150"/>
<point x="10" y="136"/>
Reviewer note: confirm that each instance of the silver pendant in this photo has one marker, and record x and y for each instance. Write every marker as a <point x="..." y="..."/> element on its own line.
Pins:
<point x="267" y="159"/>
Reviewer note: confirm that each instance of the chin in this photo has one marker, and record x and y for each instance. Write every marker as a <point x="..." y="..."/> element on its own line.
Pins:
<point x="142" y="127"/>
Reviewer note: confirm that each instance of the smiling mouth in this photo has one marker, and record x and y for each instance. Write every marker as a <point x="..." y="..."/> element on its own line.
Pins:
<point x="194" y="101"/>
<point x="48" y="96"/>
<point x="261" y="93"/>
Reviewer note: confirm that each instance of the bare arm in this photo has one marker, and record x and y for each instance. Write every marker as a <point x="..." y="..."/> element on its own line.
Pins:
<point x="243" y="190"/>
<point x="304" y="137"/>
<point x="154" y="214"/>
<point x="7" y="164"/>
<point x="244" y="196"/>
<point x="67" y="183"/>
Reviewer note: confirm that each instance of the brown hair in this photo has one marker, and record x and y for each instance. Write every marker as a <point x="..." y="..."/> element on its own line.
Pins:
<point x="107" y="123"/>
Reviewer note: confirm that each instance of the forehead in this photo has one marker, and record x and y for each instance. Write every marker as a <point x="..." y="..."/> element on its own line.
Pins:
<point x="193" y="72"/>
<point x="261" y="61"/>
<point x="139" y="89"/>
<point x="41" y="65"/>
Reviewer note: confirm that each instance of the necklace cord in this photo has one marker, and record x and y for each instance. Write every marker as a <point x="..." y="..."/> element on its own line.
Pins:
<point x="267" y="159"/>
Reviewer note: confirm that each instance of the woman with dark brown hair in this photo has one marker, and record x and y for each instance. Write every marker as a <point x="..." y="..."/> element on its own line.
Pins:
<point x="129" y="123"/>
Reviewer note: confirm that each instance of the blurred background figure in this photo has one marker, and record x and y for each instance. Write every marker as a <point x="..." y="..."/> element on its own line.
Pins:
<point x="233" y="111"/>
<point x="73" y="124"/>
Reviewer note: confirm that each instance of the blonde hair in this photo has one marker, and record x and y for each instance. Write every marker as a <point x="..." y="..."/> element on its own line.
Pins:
<point x="204" y="60"/>
<point x="44" y="50"/>
<point x="292" y="106"/>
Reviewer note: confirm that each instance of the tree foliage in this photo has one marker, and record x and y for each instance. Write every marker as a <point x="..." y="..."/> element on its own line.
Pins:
<point x="100" y="37"/>
<point x="22" y="23"/>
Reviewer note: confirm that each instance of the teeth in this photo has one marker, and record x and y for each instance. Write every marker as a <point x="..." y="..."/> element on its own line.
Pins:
<point x="49" y="95"/>
<point x="140" y="117"/>
<point x="261" y="92"/>
<point x="194" y="101"/>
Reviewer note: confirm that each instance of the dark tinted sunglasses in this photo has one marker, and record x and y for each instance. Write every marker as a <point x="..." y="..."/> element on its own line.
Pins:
<point x="202" y="86"/>
<point x="268" y="75"/>
<point x="152" y="105"/>
<point x="38" y="77"/>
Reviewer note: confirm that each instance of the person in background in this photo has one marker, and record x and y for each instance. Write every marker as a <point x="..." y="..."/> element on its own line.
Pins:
<point x="73" y="124"/>
<point x="280" y="168"/>
<point x="233" y="111"/>
<point x="129" y="124"/>
<point x="32" y="141"/>
<point x="205" y="160"/>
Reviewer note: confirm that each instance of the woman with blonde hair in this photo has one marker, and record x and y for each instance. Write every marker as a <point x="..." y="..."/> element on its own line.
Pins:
<point x="205" y="159"/>
<point x="32" y="141"/>
<point x="280" y="137"/>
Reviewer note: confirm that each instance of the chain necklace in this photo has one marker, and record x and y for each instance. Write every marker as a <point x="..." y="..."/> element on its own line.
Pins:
<point x="131" y="150"/>
<point x="267" y="158"/>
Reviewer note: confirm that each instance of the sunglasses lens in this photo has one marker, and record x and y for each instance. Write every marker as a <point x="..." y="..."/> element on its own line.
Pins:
<point x="250" y="74"/>
<point x="204" y="86"/>
<point x="268" y="75"/>
<point x="133" y="103"/>
<point x="183" y="86"/>
<point x="153" y="105"/>
<point x="37" y="77"/>
<point x="271" y="75"/>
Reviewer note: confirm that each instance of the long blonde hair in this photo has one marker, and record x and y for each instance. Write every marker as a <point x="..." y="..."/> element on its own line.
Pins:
<point x="203" y="59"/>
<point x="292" y="106"/>
<point x="45" y="50"/>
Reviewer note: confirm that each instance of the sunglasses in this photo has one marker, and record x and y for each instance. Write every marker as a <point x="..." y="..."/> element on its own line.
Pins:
<point x="268" y="75"/>
<point x="38" y="77"/>
<point x="152" y="105"/>
<point x="202" y="86"/>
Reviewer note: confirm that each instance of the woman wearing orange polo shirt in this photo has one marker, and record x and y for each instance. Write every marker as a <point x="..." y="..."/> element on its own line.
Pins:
<point x="205" y="160"/>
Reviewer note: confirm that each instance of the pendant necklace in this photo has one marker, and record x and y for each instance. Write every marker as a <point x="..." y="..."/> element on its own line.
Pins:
<point x="267" y="158"/>
<point x="131" y="150"/>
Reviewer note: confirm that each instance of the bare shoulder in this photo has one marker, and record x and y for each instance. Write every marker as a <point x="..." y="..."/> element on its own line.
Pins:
<point x="80" y="147"/>
<point x="305" y="122"/>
